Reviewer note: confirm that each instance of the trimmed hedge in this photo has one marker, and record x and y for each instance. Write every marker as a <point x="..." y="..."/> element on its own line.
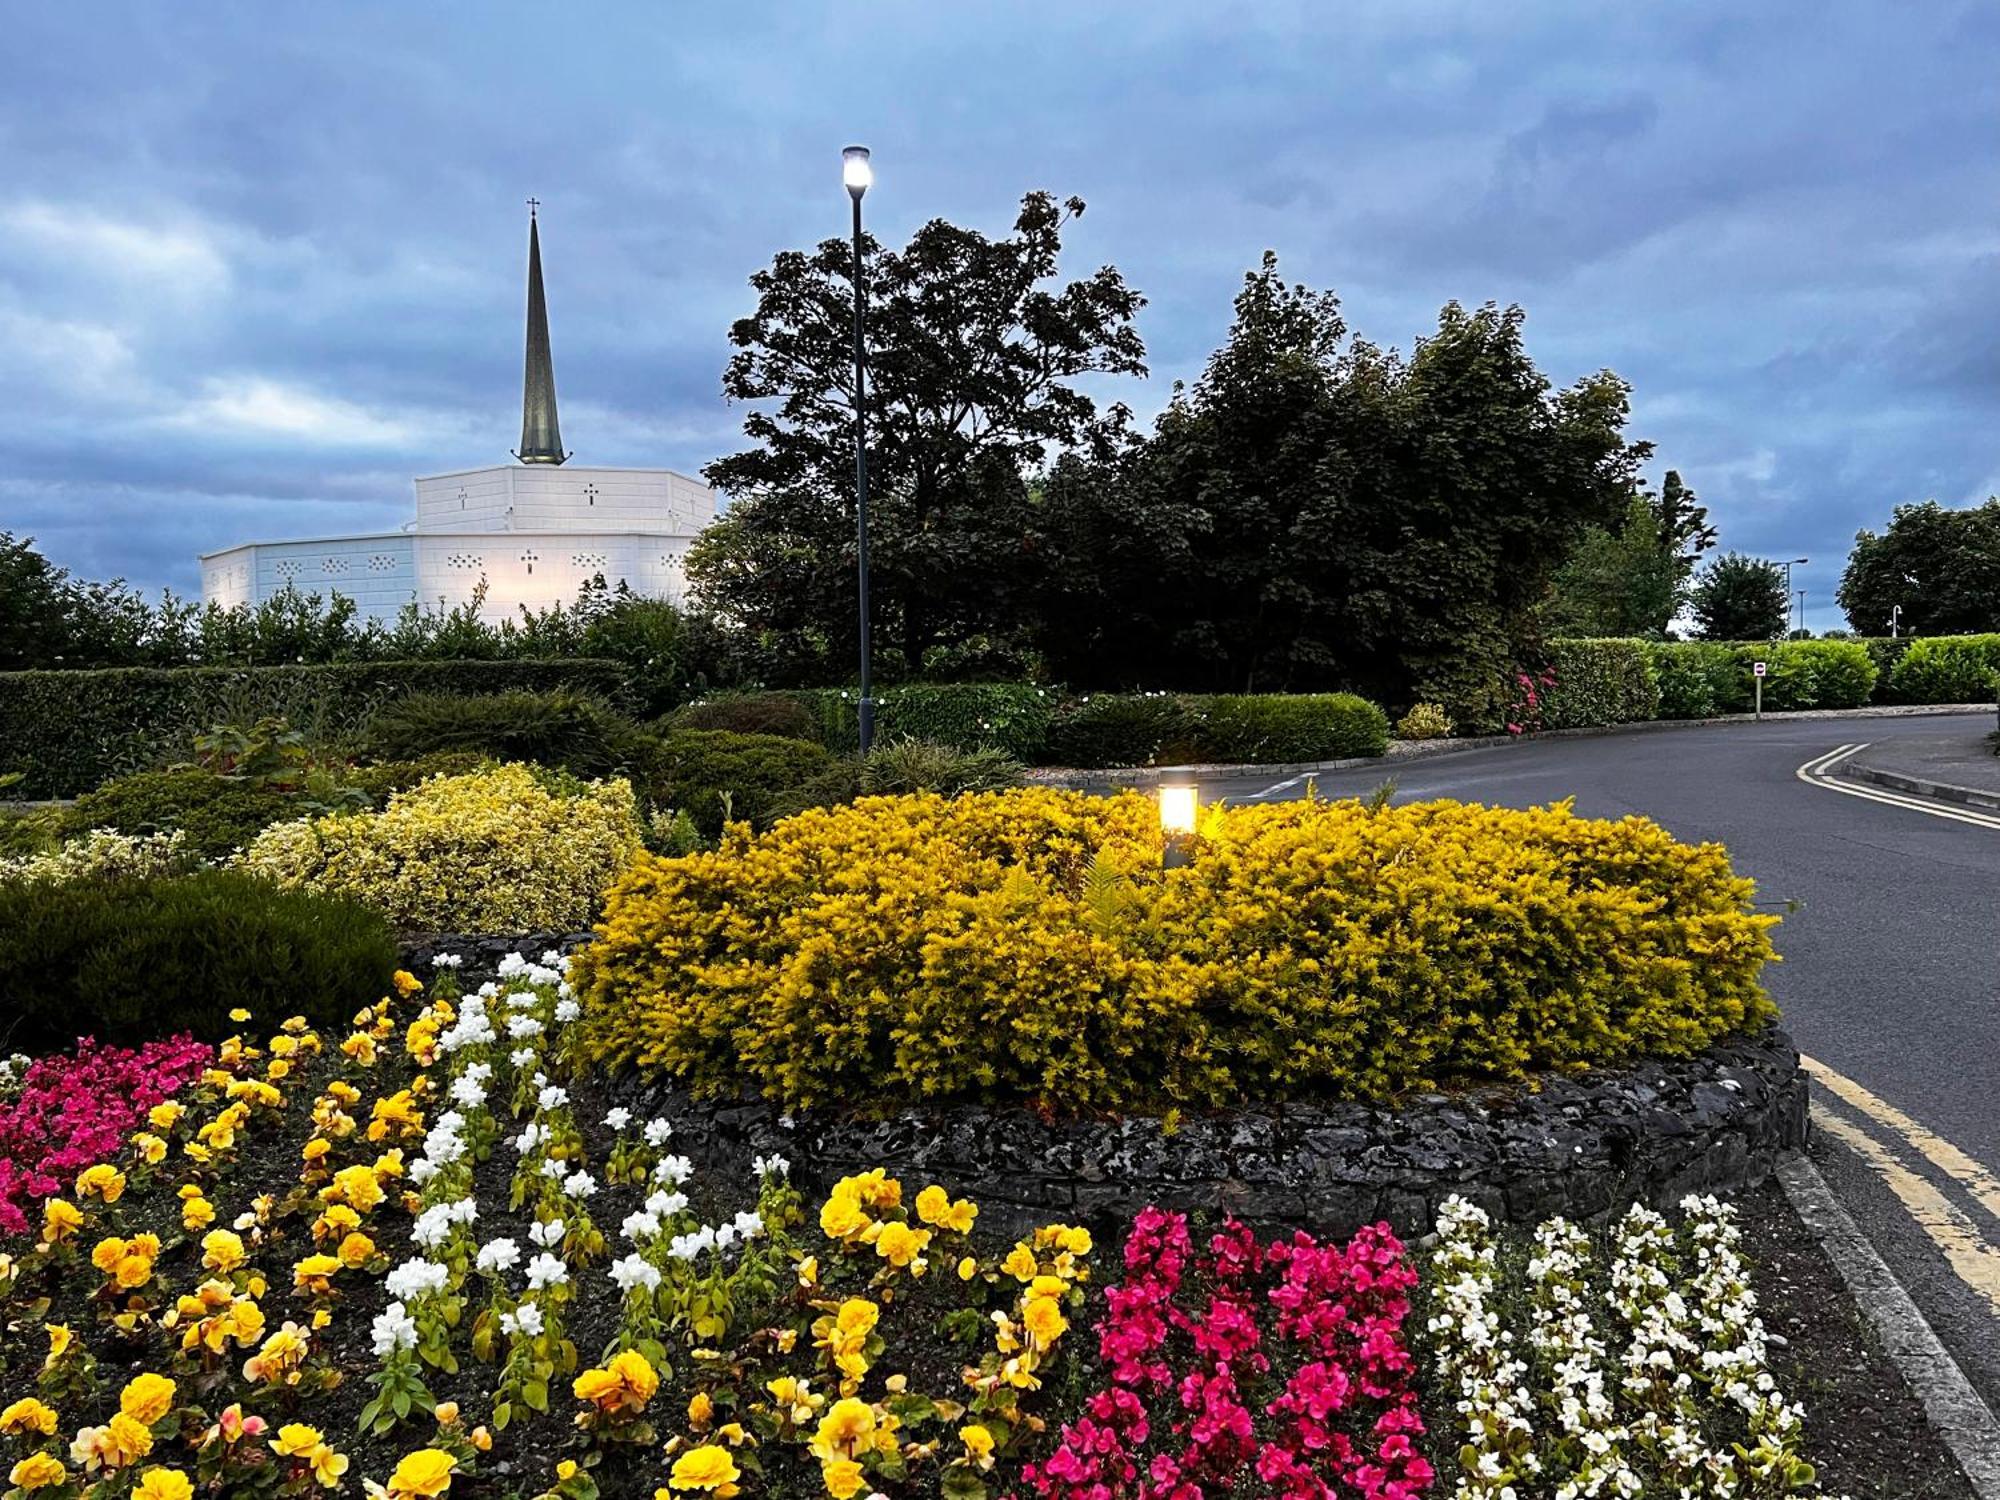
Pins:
<point x="1253" y="728"/>
<point x="1009" y="716"/>
<point x="1810" y="674"/>
<point x="132" y="960"/>
<point x="574" y="731"/>
<point x="1127" y="729"/>
<point x="691" y="769"/>
<point x="1698" y="679"/>
<point x="1028" y="946"/>
<point x="69" y="731"/>
<point x="1600" y="682"/>
<point x="780" y="713"/>
<point x="1947" y="669"/>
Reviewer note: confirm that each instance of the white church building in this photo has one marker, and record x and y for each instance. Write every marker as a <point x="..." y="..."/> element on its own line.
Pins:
<point x="534" y="532"/>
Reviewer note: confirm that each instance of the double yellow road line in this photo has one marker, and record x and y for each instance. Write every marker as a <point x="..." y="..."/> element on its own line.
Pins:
<point x="1819" y="772"/>
<point x="1892" y="1144"/>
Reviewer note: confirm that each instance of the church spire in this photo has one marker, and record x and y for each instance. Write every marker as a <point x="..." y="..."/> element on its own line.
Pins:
<point x="541" y="436"/>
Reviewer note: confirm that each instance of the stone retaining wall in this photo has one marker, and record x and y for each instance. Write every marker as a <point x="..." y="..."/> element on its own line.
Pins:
<point x="1584" y="1146"/>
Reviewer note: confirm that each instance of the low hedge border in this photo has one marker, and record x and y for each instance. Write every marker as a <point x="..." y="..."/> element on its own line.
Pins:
<point x="1715" y="1122"/>
<point x="69" y="731"/>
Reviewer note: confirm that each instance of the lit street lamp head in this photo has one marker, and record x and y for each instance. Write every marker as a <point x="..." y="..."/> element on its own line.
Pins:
<point x="855" y="171"/>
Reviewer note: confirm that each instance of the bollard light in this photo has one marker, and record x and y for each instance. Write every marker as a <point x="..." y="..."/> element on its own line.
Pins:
<point x="1178" y="806"/>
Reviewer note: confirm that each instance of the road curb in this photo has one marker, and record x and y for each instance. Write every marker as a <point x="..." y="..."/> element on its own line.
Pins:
<point x="1916" y="786"/>
<point x="1955" y="1409"/>
<point x="1400" y="751"/>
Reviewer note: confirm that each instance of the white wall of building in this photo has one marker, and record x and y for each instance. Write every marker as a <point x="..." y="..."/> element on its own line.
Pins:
<point x="535" y="533"/>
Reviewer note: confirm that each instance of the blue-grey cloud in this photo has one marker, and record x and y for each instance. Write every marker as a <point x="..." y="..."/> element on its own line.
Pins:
<point x="257" y="270"/>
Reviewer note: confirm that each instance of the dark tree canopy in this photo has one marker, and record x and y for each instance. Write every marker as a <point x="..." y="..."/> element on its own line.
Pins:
<point x="1633" y="578"/>
<point x="974" y="354"/>
<point x="1319" y="511"/>
<point x="1941" y="566"/>
<point x="1740" y="598"/>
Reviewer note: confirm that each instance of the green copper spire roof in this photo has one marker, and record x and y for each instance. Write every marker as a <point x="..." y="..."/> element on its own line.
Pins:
<point x="541" y="434"/>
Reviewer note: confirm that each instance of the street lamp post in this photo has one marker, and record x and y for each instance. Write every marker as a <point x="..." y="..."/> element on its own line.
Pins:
<point x="1787" y="567"/>
<point x="857" y="174"/>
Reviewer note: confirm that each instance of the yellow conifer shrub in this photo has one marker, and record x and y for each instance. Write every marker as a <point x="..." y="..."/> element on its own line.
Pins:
<point x="506" y="849"/>
<point x="1027" y="945"/>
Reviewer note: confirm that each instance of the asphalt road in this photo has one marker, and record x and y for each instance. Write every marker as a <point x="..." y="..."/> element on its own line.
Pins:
<point x="1890" y="972"/>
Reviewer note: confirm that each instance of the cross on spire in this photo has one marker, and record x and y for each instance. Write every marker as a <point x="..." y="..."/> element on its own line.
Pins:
<point x="533" y="204"/>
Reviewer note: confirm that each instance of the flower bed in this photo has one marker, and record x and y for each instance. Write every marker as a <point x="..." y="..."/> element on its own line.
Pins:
<point x="431" y="1254"/>
<point x="1029" y="946"/>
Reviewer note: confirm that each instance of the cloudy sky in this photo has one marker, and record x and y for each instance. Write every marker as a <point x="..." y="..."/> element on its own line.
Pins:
<point x="259" y="266"/>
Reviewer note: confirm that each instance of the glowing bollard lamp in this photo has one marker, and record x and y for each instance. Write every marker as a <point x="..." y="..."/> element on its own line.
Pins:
<point x="1178" y="805"/>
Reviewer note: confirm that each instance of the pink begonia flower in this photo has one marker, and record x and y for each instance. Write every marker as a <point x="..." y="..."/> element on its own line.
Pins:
<point x="75" y="1110"/>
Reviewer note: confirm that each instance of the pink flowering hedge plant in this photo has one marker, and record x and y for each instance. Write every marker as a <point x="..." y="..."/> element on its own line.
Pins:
<point x="76" y="1109"/>
<point x="1276" y="1368"/>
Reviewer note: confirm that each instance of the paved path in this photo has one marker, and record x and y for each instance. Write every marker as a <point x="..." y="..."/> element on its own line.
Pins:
<point x="1890" y="979"/>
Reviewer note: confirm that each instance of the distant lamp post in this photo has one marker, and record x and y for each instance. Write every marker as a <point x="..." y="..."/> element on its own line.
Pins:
<point x="1796" y="561"/>
<point x="858" y="175"/>
<point x="1895" y="621"/>
<point x="1178" y="807"/>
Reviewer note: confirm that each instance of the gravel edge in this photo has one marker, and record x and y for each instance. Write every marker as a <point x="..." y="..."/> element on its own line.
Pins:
<point x="1961" y="1418"/>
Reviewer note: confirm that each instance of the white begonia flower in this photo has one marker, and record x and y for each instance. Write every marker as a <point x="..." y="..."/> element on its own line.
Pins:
<point x="725" y="1236"/>
<point x="447" y="961"/>
<point x="551" y="958"/>
<point x="659" y="1132"/>
<point x="665" y="1204"/>
<point x="749" y="1224"/>
<point x="468" y="1091"/>
<point x="525" y="1000"/>
<point x="580" y="1185"/>
<point x="433" y="1226"/>
<point x="393" y="1329"/>
<point x="488" y="990"/>
<point x="567" y="1010"/>
<point x="522" y="1057"/>
<point x="416" y="1278"/>
<point x="553" y="1170"/>
<point x="673" y="1170"/>
<point x="546" y="1270"/>
<point x="618" y="1117"/>
<point x="640" y="1226"/>
<point x="523" y="1027"/>
<point x="525" y="1319"/>
<point x="633" y="1271"/>
<point x="549" y="1232"/>
<point x="530" y="1137"/>
<point x="772" y="1166"/>
<point x="496" y="1256"/>
<point x="465" y="1211"/>
<point x="510" y="965"/>
<point x="423" y="1170"/>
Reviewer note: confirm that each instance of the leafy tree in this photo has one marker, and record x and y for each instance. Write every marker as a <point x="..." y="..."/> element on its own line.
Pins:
<point x="1740" y="598"/>
<point x="1633" y="579"/>
<point x="1318" y="511"/>
<point x="973" y="358"/>
<point x="1942" y="566"/>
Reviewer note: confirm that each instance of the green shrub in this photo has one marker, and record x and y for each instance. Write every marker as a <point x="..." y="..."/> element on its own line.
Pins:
<point x="218" y="814"/>
<point x="1008" y="716"/>
<point x="29" y="830"/>
<point x="1885" y="651"/>
<point x="131" y="960"/>
<point x="1266" y="728"/>
<point x="1125" y="729"/>
<point x="1600" y="682"/>
<point x="713" y="775"/>
<point x="574" y="731"/>
<point x="1810" y="674"/>
<point x="69" y="731"/>
<point x="1948" y="669"/>
<point x="783" y="714"/>
<point x="1698" y="679"/>
<point x="908" y="765"/>
<point x="1028" y="946"/>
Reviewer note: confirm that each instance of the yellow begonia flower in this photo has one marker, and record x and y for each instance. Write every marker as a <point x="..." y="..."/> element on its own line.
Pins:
<point x="978" y="1442"/>
<point x="296" y="1440"/>
<point x="163" y="1484"/>
<point x="28" y="1415"/>
<point x="847" y="1428"/>
<point x="147" y="1398"/>
<point x="900" y="1245"/>
<point x="60" y="1220"/>
<point x="328" y="1467"/>
<point x="101" y="1181"/>
<point x="704" y="1468"/>
<point x="38" y="1471"/>
<point x="843" y="1478"/>
<point x="701" y="1410"/>
<point x="422" y="1474"/>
